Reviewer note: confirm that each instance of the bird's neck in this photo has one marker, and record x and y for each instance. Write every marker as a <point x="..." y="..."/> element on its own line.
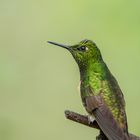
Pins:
<point x="92" y="69"/>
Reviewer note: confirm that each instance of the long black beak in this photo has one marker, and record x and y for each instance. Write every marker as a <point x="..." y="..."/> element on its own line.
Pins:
<point x="60" y="45"/>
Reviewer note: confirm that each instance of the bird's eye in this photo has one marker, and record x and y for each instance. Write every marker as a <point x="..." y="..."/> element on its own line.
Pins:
<point x="82" y="48"/>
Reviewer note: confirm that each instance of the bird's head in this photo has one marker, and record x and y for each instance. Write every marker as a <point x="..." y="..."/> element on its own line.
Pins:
<point x="83" y="52"/>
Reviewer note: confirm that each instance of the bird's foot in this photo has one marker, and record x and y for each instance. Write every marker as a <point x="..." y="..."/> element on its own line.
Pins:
<point x="91" y="119"/>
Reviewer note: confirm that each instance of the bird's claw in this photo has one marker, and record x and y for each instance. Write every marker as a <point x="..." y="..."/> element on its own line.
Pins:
<point x="91" y="119"/>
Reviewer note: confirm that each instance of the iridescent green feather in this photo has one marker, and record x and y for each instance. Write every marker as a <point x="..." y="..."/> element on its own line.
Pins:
<point x="105" y="99"/>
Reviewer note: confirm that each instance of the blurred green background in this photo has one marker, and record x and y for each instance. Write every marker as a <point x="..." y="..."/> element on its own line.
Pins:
<point x="39" y="81"/>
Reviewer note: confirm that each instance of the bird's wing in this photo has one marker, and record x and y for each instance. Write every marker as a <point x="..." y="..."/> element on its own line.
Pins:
<point x="95" y="105"/>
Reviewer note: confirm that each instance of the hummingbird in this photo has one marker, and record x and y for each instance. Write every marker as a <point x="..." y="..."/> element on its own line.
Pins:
<point x="100" y="92"/>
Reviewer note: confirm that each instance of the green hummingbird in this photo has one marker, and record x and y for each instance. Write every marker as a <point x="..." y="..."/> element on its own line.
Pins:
<point x="100" y="92"/>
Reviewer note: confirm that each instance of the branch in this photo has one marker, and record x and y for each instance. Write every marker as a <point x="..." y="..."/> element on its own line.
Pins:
<point x="83" y="119"/>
